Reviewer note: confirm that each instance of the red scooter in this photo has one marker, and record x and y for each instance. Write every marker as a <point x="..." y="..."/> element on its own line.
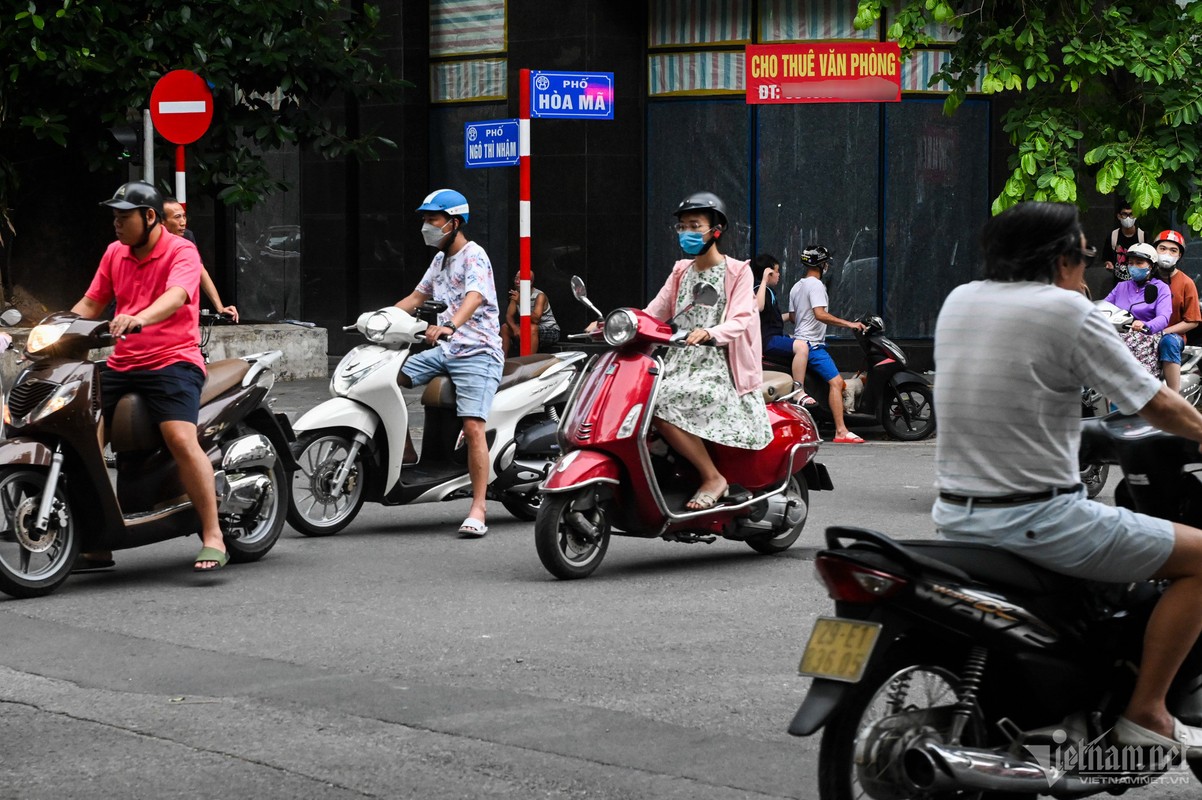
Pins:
<point x="617" y="475"/>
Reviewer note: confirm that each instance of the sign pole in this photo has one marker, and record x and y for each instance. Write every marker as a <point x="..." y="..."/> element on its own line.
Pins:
<point x="524" y="205"/>
<point x="147" y="147"/>
<point x="181" y="190"/>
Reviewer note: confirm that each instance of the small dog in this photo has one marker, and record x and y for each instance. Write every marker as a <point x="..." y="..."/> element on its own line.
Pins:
<point x="853" y="390"/>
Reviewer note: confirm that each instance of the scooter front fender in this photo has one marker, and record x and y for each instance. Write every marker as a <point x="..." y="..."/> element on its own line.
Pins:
<point x="582" y="468"/>
<point x="26" y="452"/>
<point x="339" y="412"/>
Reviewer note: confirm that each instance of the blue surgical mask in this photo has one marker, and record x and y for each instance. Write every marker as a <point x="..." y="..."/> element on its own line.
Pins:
<point x="691" y="242"/>
<point x="1139" y="273"/>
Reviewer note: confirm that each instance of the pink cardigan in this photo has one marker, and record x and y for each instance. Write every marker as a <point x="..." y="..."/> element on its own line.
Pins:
<point x="740" y="328"/>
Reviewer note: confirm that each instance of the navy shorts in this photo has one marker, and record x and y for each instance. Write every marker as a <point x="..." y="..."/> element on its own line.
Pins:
<point x="780" y="345"/>
<point x="172" y="393"/>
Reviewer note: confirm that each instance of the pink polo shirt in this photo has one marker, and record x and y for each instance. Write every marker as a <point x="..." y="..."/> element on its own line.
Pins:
<point x="174" y="261"/>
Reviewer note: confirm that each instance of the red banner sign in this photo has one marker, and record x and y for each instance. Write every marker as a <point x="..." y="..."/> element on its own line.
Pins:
<point x="830" y="72"/>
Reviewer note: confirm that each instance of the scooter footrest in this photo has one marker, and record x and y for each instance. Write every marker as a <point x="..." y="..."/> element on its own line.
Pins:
<point x="736" y="494"/>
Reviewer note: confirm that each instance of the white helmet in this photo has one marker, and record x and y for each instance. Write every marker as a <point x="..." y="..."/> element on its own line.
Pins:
<point x="1142" y="250"/>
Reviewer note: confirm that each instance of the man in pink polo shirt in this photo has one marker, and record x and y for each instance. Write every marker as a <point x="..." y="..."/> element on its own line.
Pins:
<point x="155" y="279"/>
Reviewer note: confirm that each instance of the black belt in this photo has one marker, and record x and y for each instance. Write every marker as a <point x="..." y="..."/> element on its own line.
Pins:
<point x="1007" y="499"/>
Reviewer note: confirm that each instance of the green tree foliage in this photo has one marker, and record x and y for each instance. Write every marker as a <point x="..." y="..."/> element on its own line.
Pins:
<point x="1101" y="89"/>
<point x="74" y="68"/>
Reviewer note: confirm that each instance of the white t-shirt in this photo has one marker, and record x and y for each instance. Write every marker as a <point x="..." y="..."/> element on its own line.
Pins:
<point x="806" y="295"/>
<point x="1010" y="361"/>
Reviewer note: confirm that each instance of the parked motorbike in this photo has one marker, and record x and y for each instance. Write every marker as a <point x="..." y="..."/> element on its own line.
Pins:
<point x="351" y="448"/>
<point x="55" y="491"/>
<point x="1094" y="474"/>
<point x="893" y="396"/>
<point x="617" y="476"/>
<point x="955" y="668"/>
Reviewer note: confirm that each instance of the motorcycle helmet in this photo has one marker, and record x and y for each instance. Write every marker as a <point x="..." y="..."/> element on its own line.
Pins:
<point x="1142" y="250"/>
<point x="1170" y="236"/>
<point x="704" y="201"/>
<point x="814" y="256"/>
<point x="446" y="201"/>
<point x="136" y="194"/>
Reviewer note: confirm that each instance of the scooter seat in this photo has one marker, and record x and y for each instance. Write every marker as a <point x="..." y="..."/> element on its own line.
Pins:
<point x="775" y="386"/>
<point x="222" y="376"/>
<point x="523" y="368"/>
<point x="991" y="565"/>
<point x="440" y="392"/>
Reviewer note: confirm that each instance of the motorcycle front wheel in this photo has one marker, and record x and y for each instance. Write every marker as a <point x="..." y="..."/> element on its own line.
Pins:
<point x="571" y="533"/>
<point x="34" y="564"/>
<point x="912" y="400"/>
<point x="313" y="509"/>
<point x="1094" y="477"/>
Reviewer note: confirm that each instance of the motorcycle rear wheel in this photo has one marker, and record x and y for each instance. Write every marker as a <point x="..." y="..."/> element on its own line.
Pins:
<point x="253" y="538"/>
<point x="771" y="543"/>
<point x="904" y="682"/>
<point x="32" y="567"/>
<point x="917" y="400"/>
<point x="523" y="506"/>
<point x="311" y="510"/>
<point x="566" y="551"/>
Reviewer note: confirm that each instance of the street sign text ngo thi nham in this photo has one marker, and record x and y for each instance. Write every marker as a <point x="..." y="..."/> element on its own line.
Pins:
<point x="571" y="95"/>
<point x="181" y="106"/>
<point x="493" y="143"/>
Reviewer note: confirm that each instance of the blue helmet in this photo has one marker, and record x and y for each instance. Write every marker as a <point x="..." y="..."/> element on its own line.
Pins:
<point x="448" y="201"/>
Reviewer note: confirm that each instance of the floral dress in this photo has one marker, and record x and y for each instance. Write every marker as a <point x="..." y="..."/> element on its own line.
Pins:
<point x="697" y="393"/>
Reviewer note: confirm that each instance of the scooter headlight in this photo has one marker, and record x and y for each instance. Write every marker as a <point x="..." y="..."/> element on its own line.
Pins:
<point x="377" y="325"/>
<point x="44" y="336"/>
<point x="620" y="326"/>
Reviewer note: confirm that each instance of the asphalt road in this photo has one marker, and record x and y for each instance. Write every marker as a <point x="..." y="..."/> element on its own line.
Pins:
<point x="396" y="660"/>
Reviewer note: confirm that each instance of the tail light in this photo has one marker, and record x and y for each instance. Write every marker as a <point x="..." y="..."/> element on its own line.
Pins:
<point x="849" y="582"/>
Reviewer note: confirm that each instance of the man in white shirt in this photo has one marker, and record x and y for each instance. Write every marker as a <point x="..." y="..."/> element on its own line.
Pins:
<point x="1012" y="353"/>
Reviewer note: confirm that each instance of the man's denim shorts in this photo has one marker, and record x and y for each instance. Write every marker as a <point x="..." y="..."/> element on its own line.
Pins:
<point x="822" y="363"/>
<point x="1170" y="348"/>
<point x="1067" y="534"/>
<point x="475" y="378"/>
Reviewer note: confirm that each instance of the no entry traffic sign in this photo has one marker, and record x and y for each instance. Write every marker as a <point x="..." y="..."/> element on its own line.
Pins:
<point x="181" y="106"/>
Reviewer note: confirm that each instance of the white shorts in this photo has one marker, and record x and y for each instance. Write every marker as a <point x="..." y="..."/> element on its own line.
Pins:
<point x="1068" y="534"/>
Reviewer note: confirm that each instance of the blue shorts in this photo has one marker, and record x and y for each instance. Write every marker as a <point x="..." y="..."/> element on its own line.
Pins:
<point x="1068" y="534"/>
<point x="781" y="345"/>
<point x="1170" y="348"/>
<point x="475" y="378"/>
<point x="172" y="393"/>
<point x="822" y="363"/>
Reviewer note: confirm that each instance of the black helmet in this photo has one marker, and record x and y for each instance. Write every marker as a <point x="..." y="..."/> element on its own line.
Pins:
<point x="704" y="201"/>
<point x="136" y="194"/>
<point x="815" y="255"/>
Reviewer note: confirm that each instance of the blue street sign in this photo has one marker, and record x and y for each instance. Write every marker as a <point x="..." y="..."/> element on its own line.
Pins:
<point x="572" y="95"/>
<point x="492" y="143"/>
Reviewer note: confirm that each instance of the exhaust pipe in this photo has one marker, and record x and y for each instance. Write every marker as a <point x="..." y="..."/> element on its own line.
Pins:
<point x="935" y="767"/>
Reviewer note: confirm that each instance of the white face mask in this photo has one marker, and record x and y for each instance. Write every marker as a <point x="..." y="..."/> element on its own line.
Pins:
<point x="1127" y="222"/>
<point x="432" y="234"/>
<point x="1166" y="260"/>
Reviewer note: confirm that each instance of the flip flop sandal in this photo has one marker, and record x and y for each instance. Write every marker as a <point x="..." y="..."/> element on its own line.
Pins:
<point x="472" y="528"/>
<point x="210" y="554"/>
<point x="850" y="438"/>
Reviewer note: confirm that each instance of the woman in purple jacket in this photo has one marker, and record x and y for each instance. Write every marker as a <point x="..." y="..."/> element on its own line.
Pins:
<point x="1151" y="310"/>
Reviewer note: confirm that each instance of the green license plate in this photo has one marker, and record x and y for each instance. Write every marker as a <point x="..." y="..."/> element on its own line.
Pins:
<point x="839" y="649"/>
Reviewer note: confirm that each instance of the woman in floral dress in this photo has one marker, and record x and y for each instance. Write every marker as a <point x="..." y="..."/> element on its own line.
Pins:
<point x="710" y="393"/>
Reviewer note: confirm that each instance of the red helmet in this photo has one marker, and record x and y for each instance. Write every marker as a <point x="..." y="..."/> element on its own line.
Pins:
<point x="1171" y="236"/>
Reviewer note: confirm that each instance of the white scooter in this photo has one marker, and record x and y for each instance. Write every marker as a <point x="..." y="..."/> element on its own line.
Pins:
<point x="1191" y="355"/>
<point x="351" y="448"/>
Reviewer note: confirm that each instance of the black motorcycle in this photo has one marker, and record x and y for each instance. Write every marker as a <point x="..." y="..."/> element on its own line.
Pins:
<point x="893" y="395"/>
<point x="950" y="670"/>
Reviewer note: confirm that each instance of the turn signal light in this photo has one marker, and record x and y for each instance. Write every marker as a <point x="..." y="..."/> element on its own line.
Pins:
<point x="849" y="582"/>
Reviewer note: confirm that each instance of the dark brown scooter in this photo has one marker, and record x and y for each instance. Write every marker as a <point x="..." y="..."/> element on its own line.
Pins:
<point x="57" y="496"/>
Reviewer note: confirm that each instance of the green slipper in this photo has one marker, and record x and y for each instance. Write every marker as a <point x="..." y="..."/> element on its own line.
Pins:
<point x="210" y="554"/>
